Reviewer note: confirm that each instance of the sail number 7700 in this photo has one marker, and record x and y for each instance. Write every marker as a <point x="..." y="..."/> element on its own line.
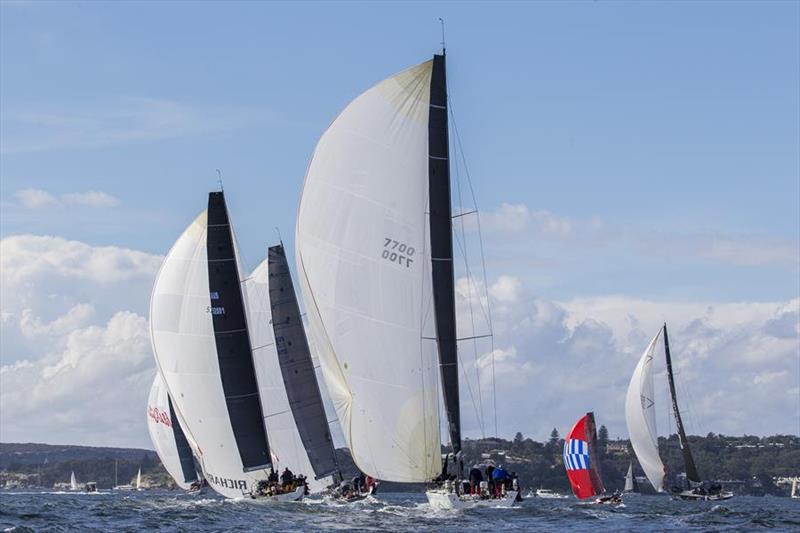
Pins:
<point x="397" y="252"/>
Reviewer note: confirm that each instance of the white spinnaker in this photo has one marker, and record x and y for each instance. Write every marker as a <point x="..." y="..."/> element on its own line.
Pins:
<point x="640" y="417"/>
<point x="363" y="261"/>
<point x="183" y="339"/>
<point x="286" y="446"/>
<point x="161" y="433"/>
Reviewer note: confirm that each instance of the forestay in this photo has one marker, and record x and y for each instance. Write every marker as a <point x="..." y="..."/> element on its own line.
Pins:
<point x="640" y="416"/>
<point x="167" y="436"/>
<point x="286" y="445"/>
<point x="363" y="254"/>
<point x="186" y="353"/>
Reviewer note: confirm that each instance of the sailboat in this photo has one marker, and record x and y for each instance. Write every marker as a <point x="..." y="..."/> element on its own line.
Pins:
<point x="168" y="437"/>
<point x="795" y="489"/>
<point x="117" y="486"/>
<point x="215" y="369"/>
<point x="73" y="482"/>
<point x="582" y="464"/>
<point x="641" y="421"/>
<point x="374" y="251"/>
<point x="631" y="485"/>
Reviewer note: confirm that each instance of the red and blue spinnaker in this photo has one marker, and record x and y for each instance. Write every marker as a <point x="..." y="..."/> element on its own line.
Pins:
<point x="580" y="459"/>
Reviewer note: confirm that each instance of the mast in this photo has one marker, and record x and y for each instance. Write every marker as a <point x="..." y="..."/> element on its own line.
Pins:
<point x="691" y="469"/>
<point x="297" y="368"/>
<point x="441" y="233"/>
<point x="232" y="339"/>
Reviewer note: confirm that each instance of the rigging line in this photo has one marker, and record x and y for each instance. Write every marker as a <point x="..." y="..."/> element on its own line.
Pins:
<point x="483" y="256"/>
<point x="469" y="299"/>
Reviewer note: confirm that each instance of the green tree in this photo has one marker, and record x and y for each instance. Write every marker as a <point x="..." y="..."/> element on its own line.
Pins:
<point x="602" y="436"/>
<point x="518" y="438"/>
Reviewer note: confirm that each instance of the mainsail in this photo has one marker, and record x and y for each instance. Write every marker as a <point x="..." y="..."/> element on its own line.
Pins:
<point x="202" y="348"/>
<point x="691" y="470"/>
<point x="581" y="460"/>
<point x="297" y="368"/>
<point x="287" y="397"/>
<point x="364" y="253"/>
<point x="73" y="482"/>
<point x="167" y="436"/>
<point x="640" y="417"/>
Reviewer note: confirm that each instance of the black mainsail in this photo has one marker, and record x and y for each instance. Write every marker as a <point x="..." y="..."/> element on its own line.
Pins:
<point x="441" y="233"/>
<point x="297" y="368"/>
<point x="232" y="338"/>
<point x="691" y="469"/>
<point x="185" y="454"/>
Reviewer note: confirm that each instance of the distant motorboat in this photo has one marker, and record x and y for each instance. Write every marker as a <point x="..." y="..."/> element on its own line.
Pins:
<point x="90" y="487"/>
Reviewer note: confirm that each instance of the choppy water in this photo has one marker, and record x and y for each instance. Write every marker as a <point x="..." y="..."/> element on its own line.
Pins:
<point x="171" y="511"/>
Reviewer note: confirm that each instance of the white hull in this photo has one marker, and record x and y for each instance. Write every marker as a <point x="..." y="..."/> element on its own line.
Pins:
<point x="298" y="494"/>
<point x="691" y="495"/>
<point x="548" y="495"/>
<point x="447" y="500"/>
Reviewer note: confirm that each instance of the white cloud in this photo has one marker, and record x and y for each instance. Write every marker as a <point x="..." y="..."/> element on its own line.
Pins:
<point x="38" y="199"/>
<point x="74" y="345"/>
<point x="555" y="360"/>
<point x="90" y="199"/>
<point x="84" y="125"/>
<point x="35" y="198"/>
<point x="27" y="258"/>
<point x="517" y="222"/>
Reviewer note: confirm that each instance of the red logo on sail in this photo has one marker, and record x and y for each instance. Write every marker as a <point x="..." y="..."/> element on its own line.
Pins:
<point x="159" y="416"/>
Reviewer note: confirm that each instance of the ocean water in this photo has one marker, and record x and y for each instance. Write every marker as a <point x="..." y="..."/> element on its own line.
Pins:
<point x="24" y="511"/>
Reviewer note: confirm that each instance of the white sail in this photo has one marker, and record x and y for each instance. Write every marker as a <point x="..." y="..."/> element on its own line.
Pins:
<point x="185" y="349"/>
<point x="285" y="444"/>
<point x="629" y="485"/>
<point x="640" y="417"/>
<point x="364" y="269"/>
<point x="73" y="482"/>
<point x="139" y="480"/>
<point x="160" y="427"/>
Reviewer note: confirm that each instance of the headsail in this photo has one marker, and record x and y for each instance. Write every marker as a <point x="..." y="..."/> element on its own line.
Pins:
<point x="165" y="432"/>
<point x="282" y="421"/>
<point x="364" y="262"/>
<point x="200" y="339"/>
<point x="581" y="460"/>
<point x="630" y="480"/>
<point x="640" y="418"/>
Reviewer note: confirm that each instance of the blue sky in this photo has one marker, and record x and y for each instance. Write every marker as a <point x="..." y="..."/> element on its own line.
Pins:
<point x="644" y="151"/>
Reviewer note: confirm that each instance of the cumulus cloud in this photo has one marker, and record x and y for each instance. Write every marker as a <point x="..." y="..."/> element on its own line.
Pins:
<point x="518" y="222"/>
<point x="736" y="363"/>
<point x="37" y="199"/>
<point x="75" y="360"/>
